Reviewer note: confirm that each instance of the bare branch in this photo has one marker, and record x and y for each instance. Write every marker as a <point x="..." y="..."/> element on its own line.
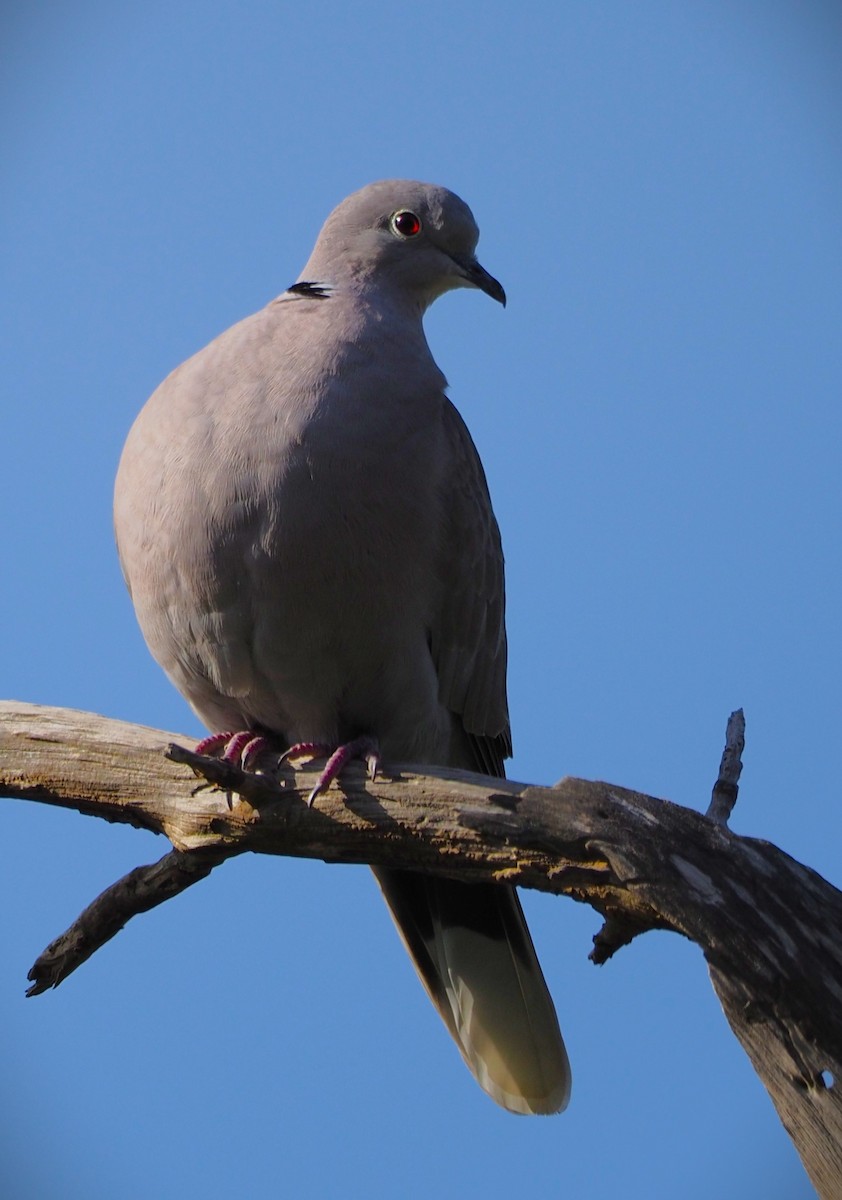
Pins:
<point x="725" y="789"/>
<point x="770" y="929"/>
<point x="142" y="889"/>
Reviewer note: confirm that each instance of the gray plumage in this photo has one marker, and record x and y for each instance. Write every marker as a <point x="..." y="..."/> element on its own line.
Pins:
<point x="305" y="528"/>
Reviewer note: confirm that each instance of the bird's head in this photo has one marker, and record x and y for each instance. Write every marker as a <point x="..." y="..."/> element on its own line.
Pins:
<point x="414" y="239"/>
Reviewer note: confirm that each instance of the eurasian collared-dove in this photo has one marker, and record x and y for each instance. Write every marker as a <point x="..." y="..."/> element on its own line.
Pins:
<point x="306" y="532"/>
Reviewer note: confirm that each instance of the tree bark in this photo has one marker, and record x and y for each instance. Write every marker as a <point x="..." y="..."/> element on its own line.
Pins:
<point x="770" y="928"/>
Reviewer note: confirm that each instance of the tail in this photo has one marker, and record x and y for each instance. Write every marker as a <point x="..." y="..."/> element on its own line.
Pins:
<point x="471" y="947"/>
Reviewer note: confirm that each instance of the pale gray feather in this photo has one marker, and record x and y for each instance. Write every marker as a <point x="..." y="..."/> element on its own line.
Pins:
<point x="305" y="528"/>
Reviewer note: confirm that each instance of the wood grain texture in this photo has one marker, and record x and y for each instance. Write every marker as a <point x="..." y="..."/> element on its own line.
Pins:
<point x="770" y="928"/>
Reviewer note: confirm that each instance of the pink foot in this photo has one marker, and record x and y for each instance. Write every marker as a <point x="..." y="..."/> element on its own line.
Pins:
<point x="307" y="750"/>
<point x="365" y="748"/>
<point x="240" y="748"/>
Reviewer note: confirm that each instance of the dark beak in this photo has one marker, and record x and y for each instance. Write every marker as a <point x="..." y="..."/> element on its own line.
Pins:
<point x="478" y="277"/>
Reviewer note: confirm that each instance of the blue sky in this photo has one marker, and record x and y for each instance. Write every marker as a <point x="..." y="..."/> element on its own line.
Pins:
<point x="658" y="187"/>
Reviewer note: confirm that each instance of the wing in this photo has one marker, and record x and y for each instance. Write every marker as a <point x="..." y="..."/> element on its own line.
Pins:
<point x="469" y="942"/>
<point x="468" y="636"/>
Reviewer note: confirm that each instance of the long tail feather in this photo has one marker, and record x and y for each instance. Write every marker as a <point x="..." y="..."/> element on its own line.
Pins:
<point x="471" y="947"/>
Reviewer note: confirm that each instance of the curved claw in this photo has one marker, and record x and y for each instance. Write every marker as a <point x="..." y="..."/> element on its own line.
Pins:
<point x="214" y="742"/>
<point x="307" y="750"/>
<point x="365" y="748"/>
<point x="240" y="747"/>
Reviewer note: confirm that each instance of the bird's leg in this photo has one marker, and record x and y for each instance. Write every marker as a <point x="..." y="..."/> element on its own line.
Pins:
<point x="241" y="747"/>
<point x="365" y="748"/>
<point x="307" y="750"/>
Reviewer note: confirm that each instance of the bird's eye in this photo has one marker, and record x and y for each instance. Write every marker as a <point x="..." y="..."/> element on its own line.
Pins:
<point x="406" y="224"/>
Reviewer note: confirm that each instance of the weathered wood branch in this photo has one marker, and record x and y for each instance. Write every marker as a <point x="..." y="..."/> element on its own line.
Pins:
<point x="142" y="889"/>
<point x="770" y="929"/>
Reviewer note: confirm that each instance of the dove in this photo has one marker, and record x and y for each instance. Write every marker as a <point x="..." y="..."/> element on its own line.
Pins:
<point x="305" y="528"/>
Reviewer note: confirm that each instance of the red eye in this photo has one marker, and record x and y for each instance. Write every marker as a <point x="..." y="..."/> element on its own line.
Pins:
<point x="406" y="223"/>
